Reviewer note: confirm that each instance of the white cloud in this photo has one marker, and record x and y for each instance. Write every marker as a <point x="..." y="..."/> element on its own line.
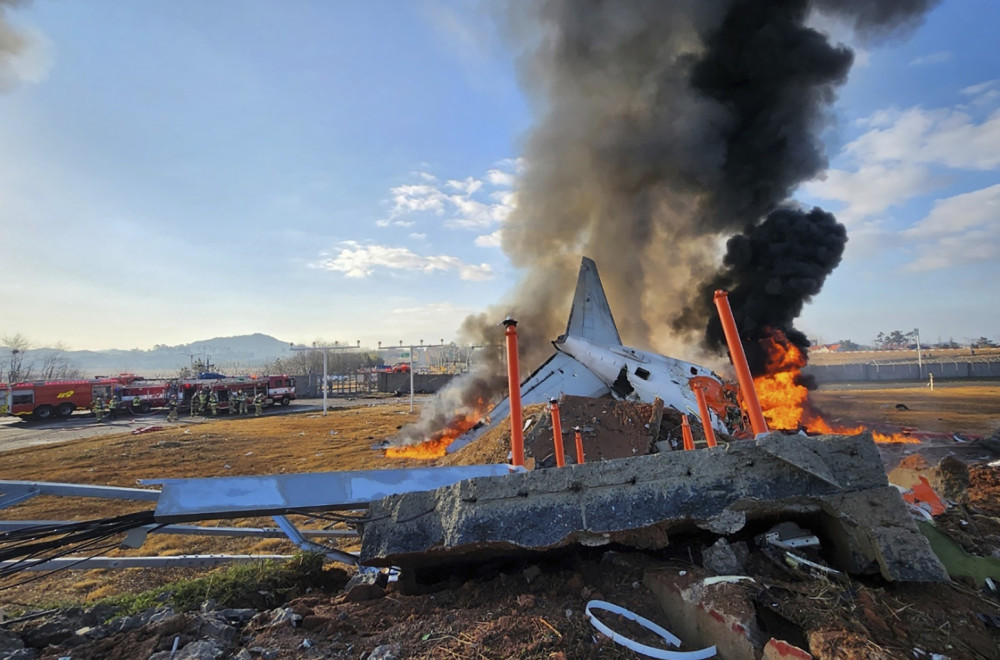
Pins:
<point x="939" y="57"/>
<point x="468" y="186"/>
<point x="871" y="189"/>
<point x="360" y="261"/>
<point x="976" y="90"/>
<point x="906" y="155"/>
<point x="417" y="236"/>
<point x="943" y="137"/>
<point x="491" y="240"/>
<point x="958" y="230"/>
<point x="464" y="201"/>
<point x="500" y="178"/>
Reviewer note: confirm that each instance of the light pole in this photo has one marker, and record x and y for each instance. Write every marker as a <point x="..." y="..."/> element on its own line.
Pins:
<point x="920" y="361"/>
<point x="325" y="350"/>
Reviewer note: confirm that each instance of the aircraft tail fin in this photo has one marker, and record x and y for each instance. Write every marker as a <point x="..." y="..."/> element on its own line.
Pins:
<point x="591" y="316"/>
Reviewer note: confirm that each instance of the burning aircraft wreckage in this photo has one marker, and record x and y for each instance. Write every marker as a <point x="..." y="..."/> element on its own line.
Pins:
<point x="423" y="519"/>
<point x="727" y="477"/>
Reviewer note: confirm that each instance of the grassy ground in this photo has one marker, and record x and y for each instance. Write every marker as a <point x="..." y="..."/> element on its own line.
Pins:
<point x="312" y="443"/>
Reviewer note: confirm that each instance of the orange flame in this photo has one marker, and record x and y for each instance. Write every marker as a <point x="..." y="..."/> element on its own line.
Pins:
<point x="785" y="401"/>
<point x="436" y="445"/>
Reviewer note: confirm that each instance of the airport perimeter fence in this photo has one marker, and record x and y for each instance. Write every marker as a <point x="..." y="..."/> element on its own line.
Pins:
<point x="969" y="368"/>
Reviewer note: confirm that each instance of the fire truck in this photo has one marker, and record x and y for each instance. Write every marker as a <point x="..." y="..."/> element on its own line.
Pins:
<point x="43" y="400"/>
<point x="46" y="399"/>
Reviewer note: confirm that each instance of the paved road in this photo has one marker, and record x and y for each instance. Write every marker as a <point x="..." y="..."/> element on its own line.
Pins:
<point x="17" y="434"/>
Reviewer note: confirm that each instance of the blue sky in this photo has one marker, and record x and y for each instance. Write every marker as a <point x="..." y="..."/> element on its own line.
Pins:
<point x="179" y="170"/>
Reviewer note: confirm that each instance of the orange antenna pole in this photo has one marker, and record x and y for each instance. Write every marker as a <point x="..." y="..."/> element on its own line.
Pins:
<point x="514" y="383"/>
<point x="706" y="419"/>
<point x="739" y="359"/>
<point x="686" y="432"/>
<point x="557" y="433"/>
<point x="579" y="445"/>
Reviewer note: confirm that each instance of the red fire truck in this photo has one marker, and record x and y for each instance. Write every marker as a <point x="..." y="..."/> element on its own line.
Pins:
<point x="42" y="400"/>
<point x="45" y="399"/>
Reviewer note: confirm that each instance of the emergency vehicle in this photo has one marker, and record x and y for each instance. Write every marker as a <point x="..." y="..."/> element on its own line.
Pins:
<point x="46" y="399"/>
<point x="43" y="400"/>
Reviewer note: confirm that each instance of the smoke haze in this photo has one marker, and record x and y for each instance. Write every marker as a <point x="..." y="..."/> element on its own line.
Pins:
<point x="664" y="129"/>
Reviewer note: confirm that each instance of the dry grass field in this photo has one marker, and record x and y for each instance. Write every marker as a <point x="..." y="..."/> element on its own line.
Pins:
<point x="340" y="441"/>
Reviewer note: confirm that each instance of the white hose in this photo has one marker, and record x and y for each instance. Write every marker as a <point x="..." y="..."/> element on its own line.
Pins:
<point x="650" y="651"/>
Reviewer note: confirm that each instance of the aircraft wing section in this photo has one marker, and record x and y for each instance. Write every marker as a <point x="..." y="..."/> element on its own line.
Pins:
<point x="560" y="374"/>
<point x="591" y="316"/>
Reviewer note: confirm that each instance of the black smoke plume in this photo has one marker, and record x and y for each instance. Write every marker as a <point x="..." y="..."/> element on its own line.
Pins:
<point x="666" y="127"/>
<point x="771" y="271"/>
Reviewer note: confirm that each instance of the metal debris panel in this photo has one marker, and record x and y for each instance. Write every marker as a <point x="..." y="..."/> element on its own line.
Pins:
<point x="234" y="497"/>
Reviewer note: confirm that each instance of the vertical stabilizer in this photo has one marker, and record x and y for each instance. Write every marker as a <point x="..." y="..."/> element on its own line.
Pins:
<point x="591" y="317"/>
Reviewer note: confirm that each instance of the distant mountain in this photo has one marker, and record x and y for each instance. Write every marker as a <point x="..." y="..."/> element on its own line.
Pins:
<point x="226" y="354"/>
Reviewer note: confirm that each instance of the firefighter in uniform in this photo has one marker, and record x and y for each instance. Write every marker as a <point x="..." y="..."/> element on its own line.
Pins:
<point x="234" y="402"/>
<point x="113" y="406"/>
<point x="202" y="401"/>
<point x="98" y="407"/>
<point x="136" y="405"/>
<point x="243" y="402"/>
<point x="213" y="402"/>
<point x="172" y="408"/>
<point x="258" y="405"/>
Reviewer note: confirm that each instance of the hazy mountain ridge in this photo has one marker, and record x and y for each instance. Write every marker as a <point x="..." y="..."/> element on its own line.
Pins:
<point x="162" y="360"/>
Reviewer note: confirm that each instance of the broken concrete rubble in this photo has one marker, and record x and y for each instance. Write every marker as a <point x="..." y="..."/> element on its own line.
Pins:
<point x="836" y="482"/>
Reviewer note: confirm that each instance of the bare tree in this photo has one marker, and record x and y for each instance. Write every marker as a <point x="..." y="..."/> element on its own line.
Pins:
<point x="18" y="369"/>
<point x="57" y="365"/>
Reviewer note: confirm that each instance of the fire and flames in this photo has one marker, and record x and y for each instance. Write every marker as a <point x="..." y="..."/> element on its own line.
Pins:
<point x="436" y="445"/>
<point x="784" y="399"/>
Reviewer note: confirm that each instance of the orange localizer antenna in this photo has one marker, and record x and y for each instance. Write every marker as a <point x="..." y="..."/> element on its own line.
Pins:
<point x="739" y="359"/>
<point x="557" y="434"/>
<point x="686" y="432"/>
<point x="579" y="445"/>
<point x="706" y="419"/>
<point x="514" y="383"/>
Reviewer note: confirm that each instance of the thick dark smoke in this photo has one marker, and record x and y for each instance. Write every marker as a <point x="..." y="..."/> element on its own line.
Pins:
<point x="771" y="272"/>
<point x="666" y="127"/>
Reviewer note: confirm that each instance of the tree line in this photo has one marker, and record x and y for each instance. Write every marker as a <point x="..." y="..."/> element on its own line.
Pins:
<point x="23" y="363"/>
<point x="899" y="340"/>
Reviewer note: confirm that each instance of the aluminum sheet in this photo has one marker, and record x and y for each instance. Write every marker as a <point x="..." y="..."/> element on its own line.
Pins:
<point x="235" y="497"/>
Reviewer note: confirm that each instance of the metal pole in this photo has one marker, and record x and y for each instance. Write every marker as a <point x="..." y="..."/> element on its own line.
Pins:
<point x="411" y="377"/>
<point x="514" y="383"/>
<point x="739" y="360"/>
<point x="325" y="384"/>
<point x="920" y="361"/>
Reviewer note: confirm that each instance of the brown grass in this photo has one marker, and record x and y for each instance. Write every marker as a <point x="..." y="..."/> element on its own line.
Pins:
<point x="340" y="441"/>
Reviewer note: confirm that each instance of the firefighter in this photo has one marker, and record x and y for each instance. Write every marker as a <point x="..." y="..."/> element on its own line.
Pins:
<point x="213" y="402"/>
<point x="136" y="405"/>
<point x="243" y="402"/>
<point x="202" y="401"/>
<point x="258" y="405"/>
<point x="98" y="407"/>
<point x="172" y="408"/>
<point x="113" y="406"/>
<point x="234" y="402"/>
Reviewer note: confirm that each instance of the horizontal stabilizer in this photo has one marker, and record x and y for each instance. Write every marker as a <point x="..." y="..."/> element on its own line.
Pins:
<point x="591" y="316"/>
